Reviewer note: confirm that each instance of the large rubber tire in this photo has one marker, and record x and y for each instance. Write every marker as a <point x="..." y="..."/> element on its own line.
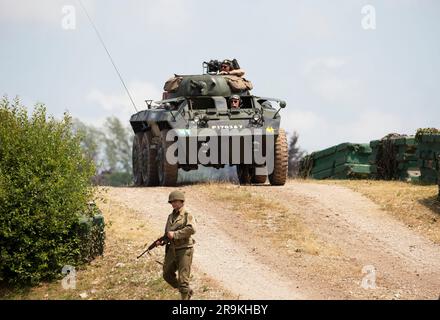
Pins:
<point x="279" y="174"/>
<point x="167" y="173"/>
<point x="244" y="173"/>
<point x="259" y="179"/>
<point x="149" y="164"/>
<point x="136" y="158"/>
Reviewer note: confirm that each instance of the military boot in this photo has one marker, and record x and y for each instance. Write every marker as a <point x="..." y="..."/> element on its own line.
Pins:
<point x="187" y="295"/>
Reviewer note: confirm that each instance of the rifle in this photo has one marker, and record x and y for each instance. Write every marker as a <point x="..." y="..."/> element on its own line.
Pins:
<point x="162" y="240"/>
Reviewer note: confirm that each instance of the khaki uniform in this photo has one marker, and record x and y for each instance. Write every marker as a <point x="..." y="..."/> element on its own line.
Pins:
<point x="179" y="253"/>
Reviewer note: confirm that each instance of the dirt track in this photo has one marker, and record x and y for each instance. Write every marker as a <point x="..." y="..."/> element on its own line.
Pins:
<point x="352" y="233"/>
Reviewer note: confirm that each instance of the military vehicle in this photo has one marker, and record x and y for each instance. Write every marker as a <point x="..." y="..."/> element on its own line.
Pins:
<point x="194" y="125"/>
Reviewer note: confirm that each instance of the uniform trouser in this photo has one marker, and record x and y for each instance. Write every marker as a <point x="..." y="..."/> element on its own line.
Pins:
<point x="178" y="260"/>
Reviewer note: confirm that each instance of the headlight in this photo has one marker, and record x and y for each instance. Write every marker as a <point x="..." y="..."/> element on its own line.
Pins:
<point x="257" y="117"/>
<point x="196" y="119"/>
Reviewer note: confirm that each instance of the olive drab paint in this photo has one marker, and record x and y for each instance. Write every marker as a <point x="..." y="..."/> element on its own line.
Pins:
<point x="195" y="125"/>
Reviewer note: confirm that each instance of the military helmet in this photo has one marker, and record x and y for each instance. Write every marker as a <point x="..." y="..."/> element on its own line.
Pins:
<point x="236" y="97"/>
<point x="228" y="62"/>
<point x="176" y="195"/>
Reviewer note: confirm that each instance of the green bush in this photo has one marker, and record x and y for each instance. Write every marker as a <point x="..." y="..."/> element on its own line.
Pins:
<point x="118" y="179"/>
<point x="44" y="186"/>
<point x="91" y="229"/>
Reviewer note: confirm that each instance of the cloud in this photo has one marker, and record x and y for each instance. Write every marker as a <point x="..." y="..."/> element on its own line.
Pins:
<point x="337" y="89"/>
<point x="169" y="16"/>
<point x="312" y="23"/>
<point x="371" y="125"/>
<point x="310" y="127"/>
<point x="167" y="12"/>
<point x="317" y="132"/>
<point x="368" y="125"/>
<point x="329" y="78"/>
<point x="118" y="104"/>
<point x="323" y="64"/>
<point x="41" y="11"/>
<point x="300" y="120"/>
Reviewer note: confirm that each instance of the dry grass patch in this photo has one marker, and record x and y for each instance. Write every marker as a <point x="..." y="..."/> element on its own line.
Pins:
<point x="415" y="205"/>
<point x="274" y="220"/>
<point x="118" y="275"/>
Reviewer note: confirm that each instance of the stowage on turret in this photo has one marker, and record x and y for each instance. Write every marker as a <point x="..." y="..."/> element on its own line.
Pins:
<point x="210" y="119"/>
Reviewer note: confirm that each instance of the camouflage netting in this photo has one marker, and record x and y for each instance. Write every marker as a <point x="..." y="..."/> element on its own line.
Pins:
<point x="91" y="229"/>
<point x="394" y="157"/>
<point x="426" y="131"/>
<point x="428" y="140"/>
<point x="386" y="162"/>
<point x="173" y="83"/>
<point x="305" y="167"/>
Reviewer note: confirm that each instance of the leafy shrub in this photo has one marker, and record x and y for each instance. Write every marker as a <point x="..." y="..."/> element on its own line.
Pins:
<point x="91" y="229"/>
<point x="44" y="185"/>
<point x="118" y="179"/>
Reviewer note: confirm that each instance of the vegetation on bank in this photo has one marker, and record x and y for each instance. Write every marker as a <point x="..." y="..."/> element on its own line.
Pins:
<point x="45" y="185"/>
<point x="414" y="204"/>
<point x="118" y="275"/>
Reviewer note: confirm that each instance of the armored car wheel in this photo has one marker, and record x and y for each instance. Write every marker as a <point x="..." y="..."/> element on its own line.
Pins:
<point x="167" y="172"/>
<point x="137" y="159"/>
<point x="244" y="173"/>
<point x="149" y="157"/>
<point x="259" y="178"/>
<point x="279" y="174"/>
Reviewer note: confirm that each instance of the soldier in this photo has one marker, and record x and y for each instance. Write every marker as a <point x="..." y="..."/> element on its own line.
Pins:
<point x="226" y="68"/>
<point x="179" y="253"/>
<point x="234" y="101"/>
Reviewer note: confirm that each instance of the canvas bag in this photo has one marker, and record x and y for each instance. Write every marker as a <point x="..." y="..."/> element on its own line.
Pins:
<point x="173" y="84"/>
<point x="238" y="84"/>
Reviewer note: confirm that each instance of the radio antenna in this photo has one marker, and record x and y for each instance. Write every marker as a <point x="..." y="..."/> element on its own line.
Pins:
<point x="108" y="53"/>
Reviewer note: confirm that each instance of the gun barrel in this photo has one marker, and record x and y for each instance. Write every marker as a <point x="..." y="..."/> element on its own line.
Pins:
<point x="143" y="253"/>
<point x="162" y="239"/>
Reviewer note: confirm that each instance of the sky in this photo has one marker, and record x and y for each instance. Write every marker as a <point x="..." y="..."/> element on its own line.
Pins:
<point x="349" y="70"/>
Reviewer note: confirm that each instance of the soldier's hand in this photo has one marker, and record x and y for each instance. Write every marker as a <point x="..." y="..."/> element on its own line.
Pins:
<point x="159" y="243"/>
<point x="170" y="235"/>
<point x="224" y="72"/>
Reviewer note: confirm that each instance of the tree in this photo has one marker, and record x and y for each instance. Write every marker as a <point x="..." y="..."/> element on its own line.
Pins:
<point x="110" y="148"/>
<point x="294" y="156"/>
<point x="91" y="141"/>
<point x="118" y="141"/>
